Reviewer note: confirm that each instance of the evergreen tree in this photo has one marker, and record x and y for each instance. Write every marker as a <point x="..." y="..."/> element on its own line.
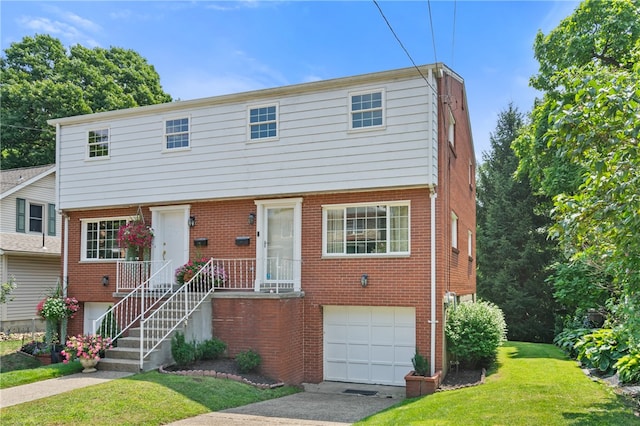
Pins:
<point x="512" y="248"/>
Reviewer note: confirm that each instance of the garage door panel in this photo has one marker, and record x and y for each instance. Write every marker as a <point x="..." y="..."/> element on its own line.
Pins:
<point x="365" y="344"/>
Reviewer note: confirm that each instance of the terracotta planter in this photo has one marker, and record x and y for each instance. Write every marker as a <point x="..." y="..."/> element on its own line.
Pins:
<point x="421" y="385"/>
<point x="44" y="359"/>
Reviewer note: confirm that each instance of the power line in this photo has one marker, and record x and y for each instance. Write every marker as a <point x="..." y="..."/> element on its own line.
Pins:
<point x="402" y="45"/>
<point x="433" y="35"/>
<point x="26" y="128"/>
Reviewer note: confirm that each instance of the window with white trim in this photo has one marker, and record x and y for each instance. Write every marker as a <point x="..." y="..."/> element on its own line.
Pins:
<point x="31" y="217"/>
<point x="454" y="231"/>
<point x="470" y="244"/>
<point x="98" y="143"/>
<point x="367" y="110"/>
<point x="366" y="229"/>
<point x="99" y="239"/>
<point x="176" y="133"/>
<point x="36" y="217"/>
<point x="263" y="122"/>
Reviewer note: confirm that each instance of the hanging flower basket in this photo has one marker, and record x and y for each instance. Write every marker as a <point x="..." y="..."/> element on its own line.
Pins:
<point x="136" y="237"/>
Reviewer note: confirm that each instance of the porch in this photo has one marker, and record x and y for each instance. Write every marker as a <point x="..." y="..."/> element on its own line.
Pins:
<point x="271" y="275"/>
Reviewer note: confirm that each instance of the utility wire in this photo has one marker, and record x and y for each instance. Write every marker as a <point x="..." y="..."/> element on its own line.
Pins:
<point x="25" y="128"/>
<point x="433" y="35"/>
<point x="402" y="45"/>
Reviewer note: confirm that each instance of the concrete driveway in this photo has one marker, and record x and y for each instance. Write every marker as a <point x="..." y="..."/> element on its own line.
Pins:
<point x="327" y="403"/>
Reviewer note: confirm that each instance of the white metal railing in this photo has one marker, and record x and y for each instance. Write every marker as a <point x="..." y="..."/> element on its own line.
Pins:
<point x="134" y="306"/>
<point x="160" y="323"/>
<point x="280" y="275"/>
<point x="129" y="274"/>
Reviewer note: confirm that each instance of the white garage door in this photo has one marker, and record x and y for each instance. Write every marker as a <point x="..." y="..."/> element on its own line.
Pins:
<point x="365" y="344"/>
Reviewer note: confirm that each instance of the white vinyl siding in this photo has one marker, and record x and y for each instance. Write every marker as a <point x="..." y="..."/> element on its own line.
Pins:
<point x="316" y="149"/>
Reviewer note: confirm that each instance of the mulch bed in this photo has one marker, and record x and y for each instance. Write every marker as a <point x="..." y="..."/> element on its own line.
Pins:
<point x="462" y="378"/>
<point x="223" y="368"/>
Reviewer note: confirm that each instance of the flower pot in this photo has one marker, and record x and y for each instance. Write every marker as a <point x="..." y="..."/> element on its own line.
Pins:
<point x="89" y="365"/>
<point x="45" y="359"/>
<point x="421" y="385"/>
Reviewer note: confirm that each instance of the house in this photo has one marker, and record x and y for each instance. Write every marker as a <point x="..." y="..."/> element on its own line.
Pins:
<point x="29" y="243"/>
<point x="341" y="211"/>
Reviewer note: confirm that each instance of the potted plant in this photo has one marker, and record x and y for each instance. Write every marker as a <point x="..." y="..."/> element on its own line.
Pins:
<point x="418" y="382"/>
<point x="136" y="237"/>
<point x="87" y="348"/>
<point x="56" y="310"/>
<point x="187" y="271"/>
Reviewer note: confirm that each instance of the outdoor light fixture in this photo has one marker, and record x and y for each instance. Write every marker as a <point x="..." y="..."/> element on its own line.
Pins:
<point x="252" y="218"/>
<point x="192" y="221"/>
<point x="364" y="280"/>
<point x="105" y="280"/>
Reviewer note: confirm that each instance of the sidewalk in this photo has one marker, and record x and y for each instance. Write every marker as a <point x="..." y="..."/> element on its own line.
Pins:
<point x="45" y="388"/>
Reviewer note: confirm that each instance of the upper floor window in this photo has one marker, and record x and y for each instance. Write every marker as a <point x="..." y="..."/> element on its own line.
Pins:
<point x="98" y="143"/>
<point x="451" y="133"/>
<point x="31" y="217"/>
<point x="366" y="229"/>
<point x="454" y="231"/>
<point x="263" y="122"/>
<point x="367" y="110"/>
<point x="470" y="243"/>
<point x="176" y="133"/>
<point x="99" y="239"/>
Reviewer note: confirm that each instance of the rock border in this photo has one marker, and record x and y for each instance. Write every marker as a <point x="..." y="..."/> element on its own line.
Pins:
<point x="218" y="375"/>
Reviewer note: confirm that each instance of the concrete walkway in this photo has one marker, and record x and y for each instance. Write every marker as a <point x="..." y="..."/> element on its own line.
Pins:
<point x="323" y="404"/>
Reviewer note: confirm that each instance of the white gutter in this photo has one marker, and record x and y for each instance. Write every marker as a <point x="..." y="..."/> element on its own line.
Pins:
<point x="433" y="321"/>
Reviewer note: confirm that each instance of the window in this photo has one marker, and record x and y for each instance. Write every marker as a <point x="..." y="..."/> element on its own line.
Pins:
<point x="470" y="244"/>
<point x="98" y="143"/>
<point x="100" y="239"/>
<point x="176" y="133"/>
<point x="263" y="122"/>
<point x="454" y="231"/>
<point x="366" y="110"/>
<point x="452" y="130"/>
<point x="36" y="212"/>
<point x="366" y="229"/>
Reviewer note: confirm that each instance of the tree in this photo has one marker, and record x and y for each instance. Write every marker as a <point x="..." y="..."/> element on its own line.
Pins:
<point x="582" y="150"/>
<point x="41" y="80"/>
<point x="513" y="251"/>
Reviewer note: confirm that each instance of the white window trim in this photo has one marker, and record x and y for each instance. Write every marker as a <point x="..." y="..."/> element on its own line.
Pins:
<point x="106" y="157"/>
<point x="470" y="244"/>
<point x="277" y="121"/>
<point x="83" y="237"/>
<point x="44" y="217"/>
<point x="326" y="207"/>
<point x="383" y="107"/>
<point x="454" y="230"/>
<point x="451" y="131"/>
<point x="165" y="134"/>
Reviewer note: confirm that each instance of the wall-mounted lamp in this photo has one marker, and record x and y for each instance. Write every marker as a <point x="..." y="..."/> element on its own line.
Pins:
<point x="252" y="218"/>
<point x="192" y="221"/>
<point x="105" y="280"/>
<point x="364" y="280"/>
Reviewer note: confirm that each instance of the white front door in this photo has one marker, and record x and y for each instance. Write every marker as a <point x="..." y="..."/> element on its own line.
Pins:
<point x="171" y="235"/>
<point x="278" y="248"/>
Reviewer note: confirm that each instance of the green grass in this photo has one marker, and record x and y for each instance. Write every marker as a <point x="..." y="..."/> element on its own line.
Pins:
<point x="11" y="360"/>
<point x="148" y="398"/>
<point x="533" y="384"/>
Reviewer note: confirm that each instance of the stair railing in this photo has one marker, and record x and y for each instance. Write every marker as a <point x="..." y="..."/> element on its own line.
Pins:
<point x="160" y="323"/>
<point x="136" y="304"/>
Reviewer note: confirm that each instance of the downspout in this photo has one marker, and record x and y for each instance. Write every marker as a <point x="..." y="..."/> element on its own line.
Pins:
<point x="433" y="320"/>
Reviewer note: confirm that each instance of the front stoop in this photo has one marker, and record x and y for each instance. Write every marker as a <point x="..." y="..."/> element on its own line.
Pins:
<point x="126" y="356"/>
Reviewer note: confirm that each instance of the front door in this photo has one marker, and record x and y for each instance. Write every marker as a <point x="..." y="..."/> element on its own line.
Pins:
<point x="171" y="235"/>
<point x="278" y="248"/>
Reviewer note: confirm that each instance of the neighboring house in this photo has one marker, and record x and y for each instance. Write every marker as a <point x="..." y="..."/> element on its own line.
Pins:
<point x="29" y="243"/>
<point x="343" y="213"/>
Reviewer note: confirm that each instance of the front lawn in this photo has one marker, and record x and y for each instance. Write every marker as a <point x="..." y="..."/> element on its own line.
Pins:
<point x="534" y="384"/>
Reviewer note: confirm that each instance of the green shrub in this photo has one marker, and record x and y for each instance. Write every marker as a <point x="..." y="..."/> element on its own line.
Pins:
<point x="211" y="349"/>
<point x="474" y="331"/>
<point x="602" y="349"/>
<point x="567" y="339"/>
<point x="628" y="367"/>
<point x="184" y="353"/>
<point x="248" y="360"/>
<point x="420" y="364"/>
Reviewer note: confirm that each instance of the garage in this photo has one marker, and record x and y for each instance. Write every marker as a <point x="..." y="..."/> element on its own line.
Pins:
<point x="368" y="344"/>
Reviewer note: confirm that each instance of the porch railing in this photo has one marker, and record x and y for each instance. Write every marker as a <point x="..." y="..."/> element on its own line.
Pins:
<point x="136" y="304"/>
<point x="279" y="274"/>
<point x="129" y="274"/>
<point x="160" y="323"/>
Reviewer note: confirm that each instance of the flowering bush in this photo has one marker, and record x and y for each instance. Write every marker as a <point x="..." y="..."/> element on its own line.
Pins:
<point x="87" y="346"/>
<point x="135" y="234"/>
<point x="189" y="269"/>
<point x="56" y="308"/>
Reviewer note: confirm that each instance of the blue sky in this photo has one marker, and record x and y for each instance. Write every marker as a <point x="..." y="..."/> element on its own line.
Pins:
<point x="208" y="48"/>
